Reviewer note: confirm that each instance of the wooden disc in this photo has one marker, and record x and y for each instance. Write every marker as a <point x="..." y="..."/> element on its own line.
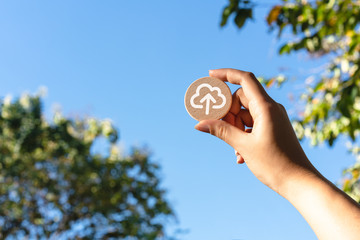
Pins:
<point x="208" y="98"/>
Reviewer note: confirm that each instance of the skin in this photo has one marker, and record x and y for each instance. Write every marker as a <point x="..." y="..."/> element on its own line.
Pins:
<point x="273" y="153"/>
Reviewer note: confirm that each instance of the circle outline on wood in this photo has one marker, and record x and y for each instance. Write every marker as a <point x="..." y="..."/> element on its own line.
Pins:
<point x="202" y="110"/>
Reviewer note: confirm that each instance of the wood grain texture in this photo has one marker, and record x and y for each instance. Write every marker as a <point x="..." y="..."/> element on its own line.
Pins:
<point x="208" y="98"/>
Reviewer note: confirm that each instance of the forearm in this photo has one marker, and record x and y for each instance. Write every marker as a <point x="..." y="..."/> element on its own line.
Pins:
<point x="329" y="211"/>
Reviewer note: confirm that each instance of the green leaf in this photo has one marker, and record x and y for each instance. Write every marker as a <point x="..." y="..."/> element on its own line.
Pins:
<point x="226" y="13"/>
<point x="241" y="17"/>
<point x="240" y="20"/>
<point x="286" y="48"/>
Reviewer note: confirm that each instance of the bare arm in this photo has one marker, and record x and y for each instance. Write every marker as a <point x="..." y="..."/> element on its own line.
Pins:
<point x="273" y="153"/>
<point x="329" y="211"/>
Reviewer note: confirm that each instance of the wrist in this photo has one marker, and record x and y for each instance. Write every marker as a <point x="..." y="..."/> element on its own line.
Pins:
<point x="299" y="185"/>
<point x="295" y="178"/>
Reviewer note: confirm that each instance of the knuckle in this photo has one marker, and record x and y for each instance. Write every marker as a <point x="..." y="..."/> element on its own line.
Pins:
<point x="251" y="74"/>
<point x="282" y="107"/>
<point x="221" y="132"/>
<point x="238" y="92"/>
<point x="269" y="107"/>
<point x="272" y="109"/>
<point x="230" y="74"/>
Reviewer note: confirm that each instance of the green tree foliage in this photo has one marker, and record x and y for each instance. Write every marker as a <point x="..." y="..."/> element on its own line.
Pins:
<point x="327" y="29"/>
<point x="52" y="185"/>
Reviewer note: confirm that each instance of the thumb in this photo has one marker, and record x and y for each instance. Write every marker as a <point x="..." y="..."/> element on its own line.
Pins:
<point x="225" y="131"/>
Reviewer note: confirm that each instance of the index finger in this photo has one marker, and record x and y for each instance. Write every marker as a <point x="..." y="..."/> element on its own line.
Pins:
<point x="251" y="86"/>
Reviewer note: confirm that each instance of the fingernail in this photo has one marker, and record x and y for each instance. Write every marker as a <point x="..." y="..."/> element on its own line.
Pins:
<point x="202" y="128"/>
<point x="211" y="72"/>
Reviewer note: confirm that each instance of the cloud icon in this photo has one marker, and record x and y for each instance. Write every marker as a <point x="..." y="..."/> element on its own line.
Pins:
<point x="208" y="98"/>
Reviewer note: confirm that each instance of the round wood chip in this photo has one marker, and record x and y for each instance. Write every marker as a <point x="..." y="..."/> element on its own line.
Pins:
<point x="208" y="98"/>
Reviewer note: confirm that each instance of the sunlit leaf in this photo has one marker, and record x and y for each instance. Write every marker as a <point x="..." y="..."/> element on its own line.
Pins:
<point x="273" y="14"/>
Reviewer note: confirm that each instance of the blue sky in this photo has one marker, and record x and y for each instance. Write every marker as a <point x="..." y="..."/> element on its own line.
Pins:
<point x="132" y="61"/>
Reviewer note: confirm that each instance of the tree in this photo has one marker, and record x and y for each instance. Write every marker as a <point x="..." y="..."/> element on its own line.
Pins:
<point x="327" y="29"/>
<point x="53" y="186"/>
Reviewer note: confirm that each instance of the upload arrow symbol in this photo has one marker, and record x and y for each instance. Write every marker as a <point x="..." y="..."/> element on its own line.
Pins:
<point x="207" y="98"/>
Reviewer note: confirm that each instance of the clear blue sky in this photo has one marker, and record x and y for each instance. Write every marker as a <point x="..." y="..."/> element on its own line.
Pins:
<point x="132" y="61"/>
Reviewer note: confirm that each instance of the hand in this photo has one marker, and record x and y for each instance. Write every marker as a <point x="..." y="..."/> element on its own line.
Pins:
<point x="270" y="149"/>
<point x="273" y="153"/>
